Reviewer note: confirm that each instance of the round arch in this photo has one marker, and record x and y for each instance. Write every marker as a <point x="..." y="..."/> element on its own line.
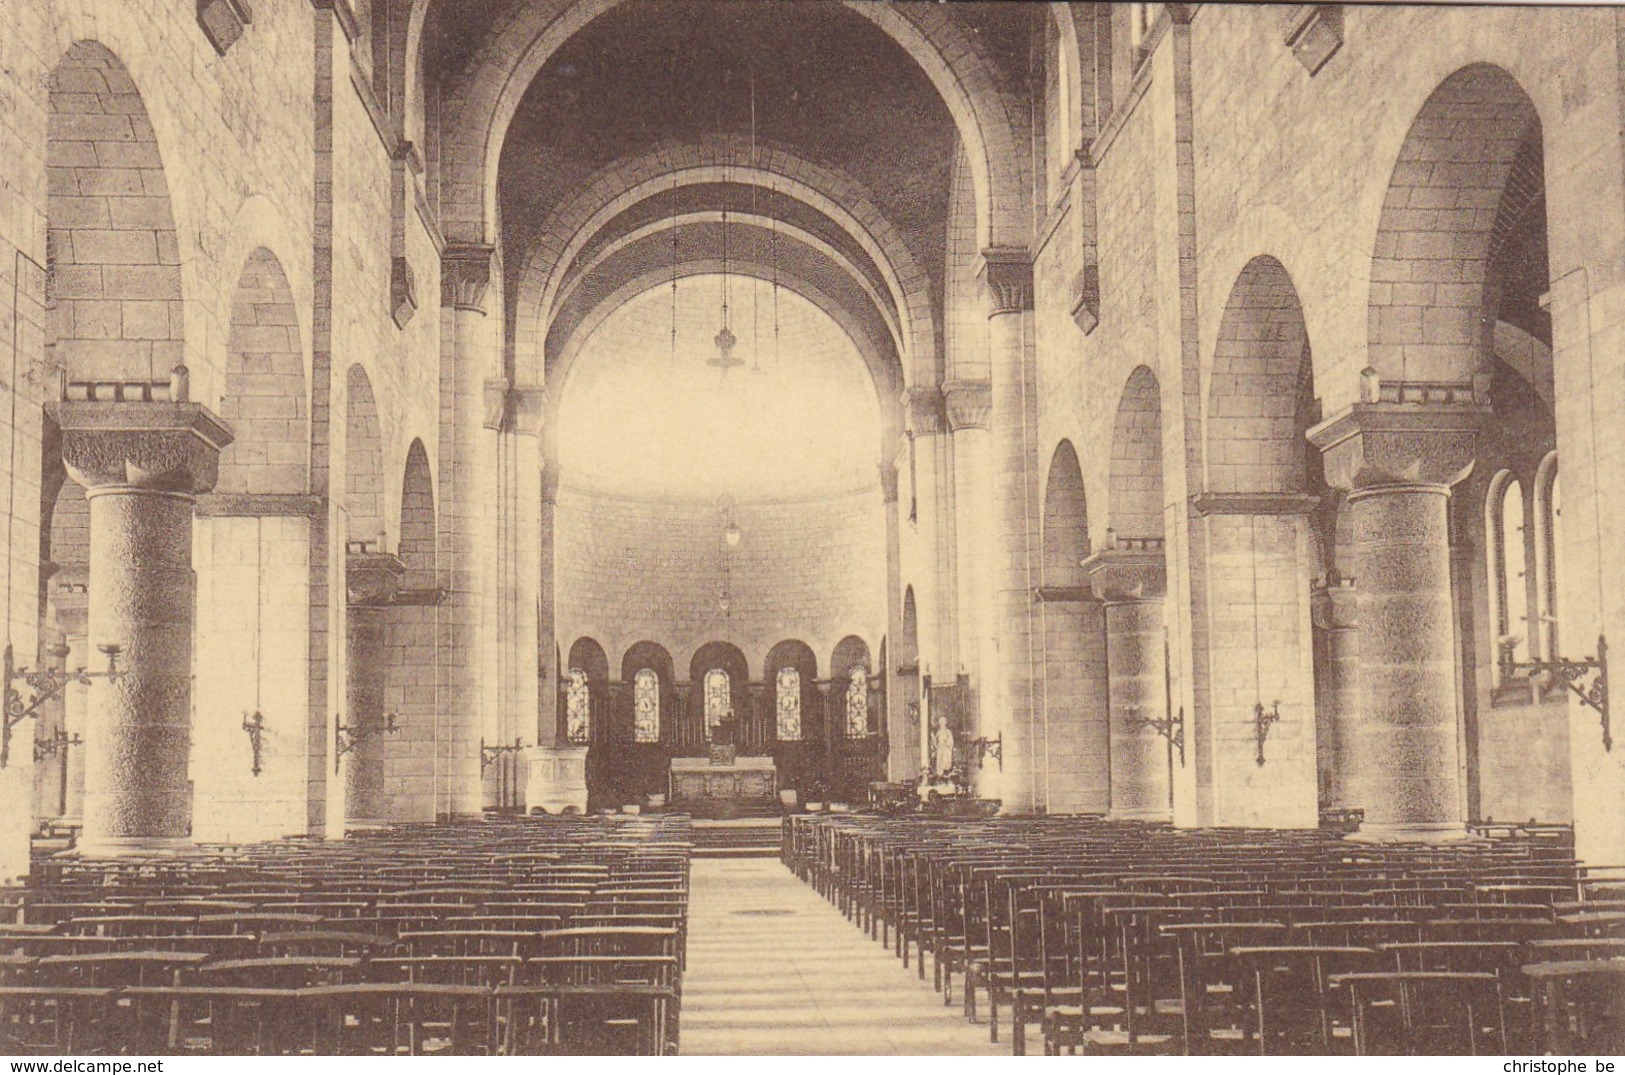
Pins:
<point x="514" y="53"/>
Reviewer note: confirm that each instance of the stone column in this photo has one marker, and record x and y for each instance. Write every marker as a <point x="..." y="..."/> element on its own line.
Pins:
<point x="1334" y="605"/>
<point x="967" y="405"/>
<point x="1131" y="579"/>
<point x="1398" y="459"/>
<point x="370" y="579"/>
<point x="932" y="571"/>
<point x="70" y="601"/>
<point x="141" y="465"/>
<point x="902" y="741"/>
<point x="470" y="358"/>
<point x="1013" y="679"/>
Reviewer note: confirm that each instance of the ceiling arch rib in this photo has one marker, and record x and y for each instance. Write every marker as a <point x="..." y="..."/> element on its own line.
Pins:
<point x="661" y="230"/>
<point x="484" y="100"/>
<point x="799" y="268"/>
<point x="824" y="194"/>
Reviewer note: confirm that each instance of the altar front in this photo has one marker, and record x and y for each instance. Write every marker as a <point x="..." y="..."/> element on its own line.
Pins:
<point x="705" y="789"/>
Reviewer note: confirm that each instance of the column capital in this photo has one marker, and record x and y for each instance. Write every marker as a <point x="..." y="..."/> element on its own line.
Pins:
<point x="888" y="481"/>
<point x="550" y="483"/>
<point x="967" y="404"/>
<point x="1007" y="272"/>
<point x="1132" y="570"/>
<point x="1333" y="604"/>
<point x="161" y="447"/>
<point x="465" y="273"/>
<point x="1402" y="441"/>
<point x="924" y="408"/>
<point x="371" y="577"/>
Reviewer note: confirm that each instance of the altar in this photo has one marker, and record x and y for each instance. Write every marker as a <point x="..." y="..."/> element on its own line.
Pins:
<point x="710" y="790"/>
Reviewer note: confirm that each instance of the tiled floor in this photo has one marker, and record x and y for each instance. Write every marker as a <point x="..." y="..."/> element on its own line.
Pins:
<point x="773" y="969"/>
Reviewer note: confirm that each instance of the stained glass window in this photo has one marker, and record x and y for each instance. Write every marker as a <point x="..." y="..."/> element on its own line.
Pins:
<point x="788" y="703"/>
<point x="646" y="707"/>
<point x="718" y="702"/>
<point x="577" y="707"/>
<point x="857" y="703"/>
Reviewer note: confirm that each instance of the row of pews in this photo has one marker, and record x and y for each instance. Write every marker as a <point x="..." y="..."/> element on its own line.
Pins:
<point x="1142" y="939"/>
<point x="515" y="936"/>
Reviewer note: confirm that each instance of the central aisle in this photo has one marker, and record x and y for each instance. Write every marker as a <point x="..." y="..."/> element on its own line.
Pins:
<point x="773" y="969"/>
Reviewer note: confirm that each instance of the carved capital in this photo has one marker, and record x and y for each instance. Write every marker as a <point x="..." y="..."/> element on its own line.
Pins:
<point x="1008" y="274"/>
<point x="403" y="290"/>
<point x="497" y="402"/>
<point x="1399" y="443"/>
<point x="527" y="405"/>
<point x="967" y="404"/>
<point x="1333" y="604"/>
<point x="465" y="274"/>
<point x="550" y="484"/>
<point x="163" y="447"/>
<point x="1133" y="573"/>
<point x="1086" y="296"/>
<point x="371" y="578"/>
<point x="888" y="481"/>
<point x="925" y="411"/>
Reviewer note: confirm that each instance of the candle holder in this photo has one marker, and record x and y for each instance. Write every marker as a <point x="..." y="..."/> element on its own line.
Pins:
<point x="44" y="684"/>
<point x="347" y="738"/>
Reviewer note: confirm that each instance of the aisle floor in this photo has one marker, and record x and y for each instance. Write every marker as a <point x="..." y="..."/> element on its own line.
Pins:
<point x="775" y="970"/>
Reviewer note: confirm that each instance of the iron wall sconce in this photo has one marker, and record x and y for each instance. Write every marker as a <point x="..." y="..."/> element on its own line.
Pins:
<point x="1572" y="674"/>
<point x="489" y="755"/>
<point x="45" y="684"/>
<point x="255" y="727"/>
<point x="346" y="738"/>
<point x="1170" y="728"/>
<point x="60" y="741"/>
<point x="980" y="747"/>
<point x="1262" y="720"/>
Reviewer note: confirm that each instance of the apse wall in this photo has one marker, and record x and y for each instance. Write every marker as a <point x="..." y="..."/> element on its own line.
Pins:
<point x="630" y="569"/>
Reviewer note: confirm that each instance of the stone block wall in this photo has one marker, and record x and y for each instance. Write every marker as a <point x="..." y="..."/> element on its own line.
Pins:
<point x="633" y="570"/>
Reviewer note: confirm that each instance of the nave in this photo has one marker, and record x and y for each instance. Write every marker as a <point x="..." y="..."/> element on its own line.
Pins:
<point x="773" y="970"/>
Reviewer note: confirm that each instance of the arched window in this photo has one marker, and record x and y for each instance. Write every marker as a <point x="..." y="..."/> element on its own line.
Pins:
<point x="857" y="703"/>
<point x="718" y="701"/>
<point x="1548" y="553"/>
<point x="1508" y="566"/>
<point x="646" y="707"/>
<point x="577" y="707"/>
<point x="787" y="703"/>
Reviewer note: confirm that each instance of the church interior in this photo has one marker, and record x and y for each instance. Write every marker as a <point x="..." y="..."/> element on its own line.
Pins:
<point x="835" y="526"/>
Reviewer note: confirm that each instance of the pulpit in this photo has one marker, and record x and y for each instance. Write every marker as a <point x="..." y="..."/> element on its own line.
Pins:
<point x="707" y="789"/>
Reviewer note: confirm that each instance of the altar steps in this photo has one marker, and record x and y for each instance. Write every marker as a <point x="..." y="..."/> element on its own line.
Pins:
<point x="737" y="838"/>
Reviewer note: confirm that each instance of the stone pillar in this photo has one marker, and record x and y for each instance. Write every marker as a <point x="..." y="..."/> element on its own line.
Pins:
<point x="470" y="358"/>
<point x="1398" y="459"/>
<point x="902" y="740"/>
<point x="1013" y="678"/>
<point x="931" y="573"/>
<point x="1334" y="605"/>
<point x="1131" y="579"/>
<point x="370" y="579"/>
<point x="70" y="602"/>
<point x="968" y="405"/>
<point x="547" y="657"/>
<point x="141" y="465"/>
